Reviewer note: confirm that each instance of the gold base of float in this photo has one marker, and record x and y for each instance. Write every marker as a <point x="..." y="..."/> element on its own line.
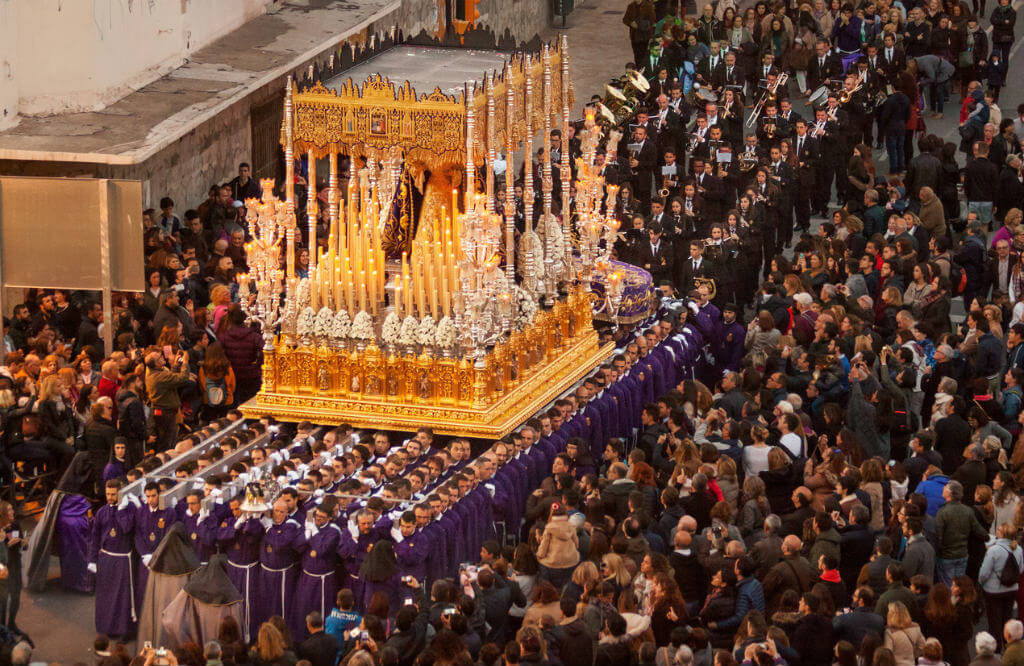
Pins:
<point x="396" y="390"/>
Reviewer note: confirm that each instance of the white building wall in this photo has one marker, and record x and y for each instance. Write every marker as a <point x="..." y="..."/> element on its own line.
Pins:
<point x="8" y="57"/>
<point x="81" y="55"/>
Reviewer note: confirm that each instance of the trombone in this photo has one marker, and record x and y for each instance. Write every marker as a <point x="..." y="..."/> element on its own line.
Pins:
<point x="847" y="95"/>
<point x="770" y="93"/>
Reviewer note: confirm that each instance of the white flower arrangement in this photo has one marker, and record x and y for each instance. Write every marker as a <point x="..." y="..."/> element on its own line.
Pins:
<point x="362" y="327"/>
<point x="555" y="242"/>
<point x="306" y="323"/>
<point x="444" y="335"/>
<point x="426" y="332"/>
<point x="322" y="326"/>
<point x="341" y="325"/>
<point x="407" y="335"/>
<point x="526" y="309"/>
<point x="302" y="294"/>
<point x="529" y="242"/>
<point x="389" y="332"/>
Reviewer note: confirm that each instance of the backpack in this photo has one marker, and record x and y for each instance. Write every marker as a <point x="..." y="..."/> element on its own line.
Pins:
<point x="957" y="278"/>
<point x="902" y="422"/>
<point x="1010" y="575"/>
<point x="215" y="391"/>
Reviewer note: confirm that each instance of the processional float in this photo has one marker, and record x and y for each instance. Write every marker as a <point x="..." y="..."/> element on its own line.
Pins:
<point x="447" y="320"/>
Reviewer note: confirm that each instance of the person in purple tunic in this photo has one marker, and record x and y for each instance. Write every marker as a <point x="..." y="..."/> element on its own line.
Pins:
<point x="239" y="538"/>
<point x="318" y="582"/>
<point x="112" y="560"/>
<point x="731" y="349"/>
<point x="356" y="542"/>
<point x="151" y="524"/>
<point x="283" y="545"/>
<point x="411" y="550"/>
<point x="199" y="526"/>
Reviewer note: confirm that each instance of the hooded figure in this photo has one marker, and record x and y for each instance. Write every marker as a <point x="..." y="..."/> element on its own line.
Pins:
<point x="65" y="525"/>
<point x="117" y="467"/>
<point x="198" y="609"/>
<point x="380" y="574"/>
<point x="170" y="568"/>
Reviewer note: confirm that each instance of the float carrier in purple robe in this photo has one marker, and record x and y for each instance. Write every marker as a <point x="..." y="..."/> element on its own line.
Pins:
<point x="282" y="547"/>
<point x="318" y="582"/>
<point x="110" y="548"/>
<point x="151" y="526"/>
<point x="242" y="546"/>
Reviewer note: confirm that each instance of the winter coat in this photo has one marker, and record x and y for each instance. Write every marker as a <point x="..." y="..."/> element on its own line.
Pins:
<point x="992" y="566"/>
<point x="244" y="348"/>
<point x="559" y="545"/>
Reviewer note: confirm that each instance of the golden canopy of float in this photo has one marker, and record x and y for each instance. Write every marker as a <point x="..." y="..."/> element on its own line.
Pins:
<point x="443" y="321"/>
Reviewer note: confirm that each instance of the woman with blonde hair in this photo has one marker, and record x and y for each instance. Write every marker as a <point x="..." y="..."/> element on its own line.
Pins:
<point x="57" y="427"/>
<point x="270" y="648"/>
<point x="220" y="299"/>
<point x="69" y="378"/>
<point x="613" y="570"/>
<point x="584" y="581"/>
<point x="902" y="635"/>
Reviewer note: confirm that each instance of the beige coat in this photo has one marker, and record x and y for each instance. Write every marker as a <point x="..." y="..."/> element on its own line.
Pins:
<point x="559" y="546"/>
<point x="905" y="644"/>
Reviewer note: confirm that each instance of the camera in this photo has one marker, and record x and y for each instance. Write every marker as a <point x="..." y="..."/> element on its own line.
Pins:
<point x="364" y="636"/>
<point x="449" y="612"/>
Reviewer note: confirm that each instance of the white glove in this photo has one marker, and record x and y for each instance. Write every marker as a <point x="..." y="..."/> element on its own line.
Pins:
<point x="285" y="454"/>
<point x="266" y="522"/>
<point x="146" y="559"/>
<point x="319" y="492"/>
<point x="311" y="531"/>
<point x="198" y="485"/>
<point x="239" y="523"/>
<point x="302" y="469"/>
<point x="124" y="502"/>
<point x="282" y="480"/>
<point x="134" y="499"/>
<point x="203" y="515"/>
<point x="91" y="567"/>
<point x="276" y="457"/>
<point x="293" y="476"/>
<point x="216" y="492"/>
<point x="244" y="478"/>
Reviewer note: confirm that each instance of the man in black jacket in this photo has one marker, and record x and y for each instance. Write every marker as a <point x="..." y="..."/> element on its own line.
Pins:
<point x="411" y="624"/>
<point x="575" y="642"/>
<point x="321" y="649"/>
<point x="496" y="596"/>
<point x="981" y="180"/>
<point x="613" y="648"/>
<point x="892" y="123"/>
<point x="1011" y="187"/>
